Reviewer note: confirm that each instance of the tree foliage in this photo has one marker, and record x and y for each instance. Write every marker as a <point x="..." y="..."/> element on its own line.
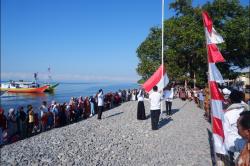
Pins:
<point x="184" y="37"/>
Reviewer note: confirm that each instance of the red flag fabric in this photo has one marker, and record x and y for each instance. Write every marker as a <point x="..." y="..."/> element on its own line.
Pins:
<point x="156" y="79"/>
<point x="214" y="90"/>
<point x="207" y="21"/>
<point x="214" y="54"/>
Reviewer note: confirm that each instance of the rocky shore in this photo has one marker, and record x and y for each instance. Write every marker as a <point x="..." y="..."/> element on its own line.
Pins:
<point x="120" y="139"/>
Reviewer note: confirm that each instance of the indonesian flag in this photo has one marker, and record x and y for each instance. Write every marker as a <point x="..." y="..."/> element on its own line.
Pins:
<point x="214" y="37"/>
<point x="214" y="54"/>
<point x="156" y="80"/>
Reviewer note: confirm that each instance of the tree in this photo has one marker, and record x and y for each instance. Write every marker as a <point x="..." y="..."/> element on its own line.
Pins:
<point x="184" y="35"/>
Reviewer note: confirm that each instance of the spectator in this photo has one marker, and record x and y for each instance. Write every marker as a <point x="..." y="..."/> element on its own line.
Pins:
<point x="243" y="125"/>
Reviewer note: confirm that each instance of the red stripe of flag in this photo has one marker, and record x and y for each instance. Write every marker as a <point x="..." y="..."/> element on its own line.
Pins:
<point x="207" y="21"/>
<point x="217" y="127"/>
<point x="214" y="54"/>
<point x="214" y="91"/>
<point x="153" y="80"/>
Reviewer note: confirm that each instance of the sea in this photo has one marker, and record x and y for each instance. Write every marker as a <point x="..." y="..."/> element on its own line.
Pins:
<point x="62" y="93"/>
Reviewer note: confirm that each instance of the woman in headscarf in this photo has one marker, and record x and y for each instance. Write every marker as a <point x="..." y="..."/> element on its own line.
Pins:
<point x="21" y="121"/>
<point x="86" y="107"/>
<point x="140" y="107"/>
<point x="12" y="124"/>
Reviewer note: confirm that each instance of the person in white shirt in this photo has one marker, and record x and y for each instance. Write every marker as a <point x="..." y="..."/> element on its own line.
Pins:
<point x="201" y="99"/>
<point x="100" y="104"/>
<point x="233" y="141"/>
<point x="168" y="97"/>
<point x="155" y="107"/>
<point x="140" y="107"/>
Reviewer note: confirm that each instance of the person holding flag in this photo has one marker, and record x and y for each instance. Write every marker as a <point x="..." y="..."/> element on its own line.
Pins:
<point x="155" y="107"/>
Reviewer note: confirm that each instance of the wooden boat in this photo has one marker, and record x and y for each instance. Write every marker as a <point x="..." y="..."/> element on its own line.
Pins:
<point x="22" y="87"/>
<point x="51" y="87"/>
<point x="28" y="90"/>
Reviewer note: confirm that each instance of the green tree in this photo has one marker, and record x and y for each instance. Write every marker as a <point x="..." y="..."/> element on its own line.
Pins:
<point x="184" y="37"/>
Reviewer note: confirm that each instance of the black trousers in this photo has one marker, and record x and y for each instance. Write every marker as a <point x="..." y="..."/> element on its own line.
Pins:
<point x="168" y="107"/>
<point x="100" y="110"/>
<point x="155" y="115"/>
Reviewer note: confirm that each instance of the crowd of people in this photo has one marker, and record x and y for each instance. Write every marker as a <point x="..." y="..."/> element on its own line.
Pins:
<point x="22" y="122"/>
<point x="25" y="122"/>
<point x="236" y="118"/>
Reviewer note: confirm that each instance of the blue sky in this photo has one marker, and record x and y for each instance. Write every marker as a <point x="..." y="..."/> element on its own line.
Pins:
<point x="81" y="40"/>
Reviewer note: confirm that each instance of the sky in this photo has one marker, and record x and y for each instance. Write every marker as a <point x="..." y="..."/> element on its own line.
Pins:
<point x="80" y="40"/>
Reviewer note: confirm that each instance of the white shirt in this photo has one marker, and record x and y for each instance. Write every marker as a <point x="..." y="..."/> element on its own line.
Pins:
<point x="140" y="97"/>
<point x="233" y="141"/>
<point x="201" y="97"/>
<point x="155" y="101"/>
<point x="169" y="95"/>
<point x="43" y="109"/>
<point x="100" y="99"/>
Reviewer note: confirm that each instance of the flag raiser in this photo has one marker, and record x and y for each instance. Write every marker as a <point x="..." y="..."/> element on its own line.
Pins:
<point x="156" y="80"/>
<point x="214" y="56"/>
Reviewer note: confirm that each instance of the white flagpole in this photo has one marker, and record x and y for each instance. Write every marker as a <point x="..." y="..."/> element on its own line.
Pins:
<point x="162" y="48"/>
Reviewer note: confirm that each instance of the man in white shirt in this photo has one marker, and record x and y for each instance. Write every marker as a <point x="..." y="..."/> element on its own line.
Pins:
<point x="168" y="96"/>
<point x="155" y="107"/>
<point x="100" y="104"/>
<point x="233" y="141"/>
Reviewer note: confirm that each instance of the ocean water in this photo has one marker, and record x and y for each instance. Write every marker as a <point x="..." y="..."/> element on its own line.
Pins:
<point x="62" y="93"/>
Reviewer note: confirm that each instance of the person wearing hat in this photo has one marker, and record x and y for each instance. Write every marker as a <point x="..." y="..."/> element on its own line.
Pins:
<point x="233" y="141"/>
<point x="100" y="104"/>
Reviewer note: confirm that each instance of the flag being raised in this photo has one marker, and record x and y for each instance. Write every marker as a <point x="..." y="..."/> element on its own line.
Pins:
<point x="159" y="79"/>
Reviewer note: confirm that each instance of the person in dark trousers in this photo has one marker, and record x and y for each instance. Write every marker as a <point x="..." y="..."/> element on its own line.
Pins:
<point x="100" y="104"/>
<point x="168" y="96"/>
<point x="155" y="107"/>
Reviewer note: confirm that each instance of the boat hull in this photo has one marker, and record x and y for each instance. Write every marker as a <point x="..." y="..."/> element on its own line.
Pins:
<point x="51" y="88"/>
<point x="25" y="90"/>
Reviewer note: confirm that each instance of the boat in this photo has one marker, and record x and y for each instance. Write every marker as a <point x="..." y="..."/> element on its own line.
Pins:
<point x="23" y="87"/>
<point x="51" y="87"/>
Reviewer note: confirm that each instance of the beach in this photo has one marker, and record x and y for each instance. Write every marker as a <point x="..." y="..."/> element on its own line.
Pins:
<point x="120" y="139"/>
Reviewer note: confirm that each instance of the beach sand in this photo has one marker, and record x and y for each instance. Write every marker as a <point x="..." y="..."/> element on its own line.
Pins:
<point x="120" y="139"/>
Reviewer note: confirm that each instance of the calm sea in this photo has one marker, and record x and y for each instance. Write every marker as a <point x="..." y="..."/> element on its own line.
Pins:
<point x="63" y="93"/>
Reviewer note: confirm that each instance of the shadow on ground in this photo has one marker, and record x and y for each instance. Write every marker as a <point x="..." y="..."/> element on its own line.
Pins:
<point x="118" y="113"/>
<point x="164" y="122"/>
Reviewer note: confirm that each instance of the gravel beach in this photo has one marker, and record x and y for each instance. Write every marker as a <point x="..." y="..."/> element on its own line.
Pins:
<point x="120" y="139"/>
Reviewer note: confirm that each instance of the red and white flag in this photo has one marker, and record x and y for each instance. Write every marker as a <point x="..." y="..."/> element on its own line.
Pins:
<point x="214" y="56"/>
<point x="213" y="37"/>
<point x="156" y="80"/>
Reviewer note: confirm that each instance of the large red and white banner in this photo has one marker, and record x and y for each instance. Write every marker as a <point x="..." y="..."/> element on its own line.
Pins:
<point x="156" y="80"/>
<point x="214" y="56"/>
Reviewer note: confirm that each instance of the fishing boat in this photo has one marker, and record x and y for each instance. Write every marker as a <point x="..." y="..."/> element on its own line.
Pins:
<point x="22" y="87"/>
<point x="51" y="87"/>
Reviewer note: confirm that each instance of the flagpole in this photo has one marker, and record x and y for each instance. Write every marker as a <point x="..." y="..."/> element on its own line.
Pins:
<point x="162" y="38"/>
<point x="162" y="49"/>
